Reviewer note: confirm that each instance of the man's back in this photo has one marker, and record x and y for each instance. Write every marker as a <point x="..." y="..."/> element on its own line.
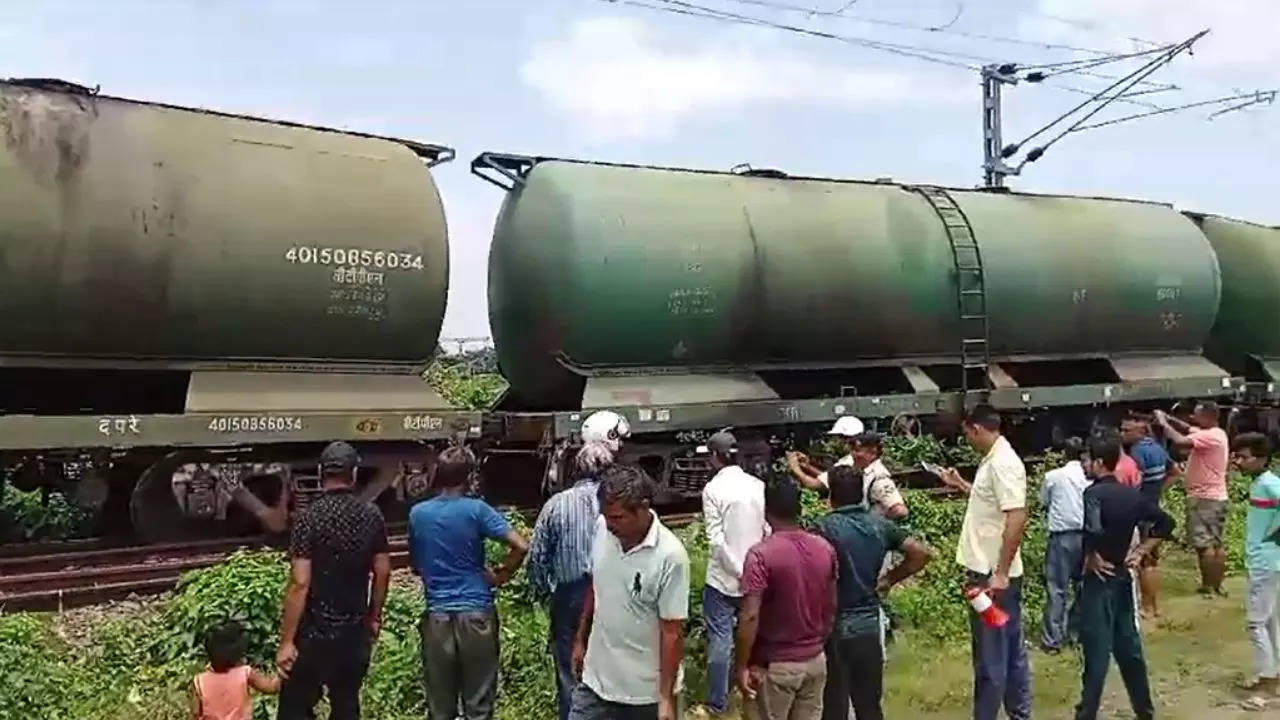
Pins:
<point x="1127" y="472"/>
<point x="861" y="540"/>
<point x="446" y="539"/>
<point x="793" y="571"/>
<point x="733" y="505"/>
<point x="562" y="536"/>
<point x="1063" y="494"/>
<point x="339" y="534"/>
<point x="1152" y="459"/>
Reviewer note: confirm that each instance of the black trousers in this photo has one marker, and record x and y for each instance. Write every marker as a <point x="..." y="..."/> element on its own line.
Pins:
<point x="338" y="664"/>
<point x="1108" y="628"/>
<point x="855" y="675"/>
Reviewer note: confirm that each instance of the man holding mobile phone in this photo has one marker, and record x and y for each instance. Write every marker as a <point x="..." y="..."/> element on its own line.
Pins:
<point x="989" y="552"/>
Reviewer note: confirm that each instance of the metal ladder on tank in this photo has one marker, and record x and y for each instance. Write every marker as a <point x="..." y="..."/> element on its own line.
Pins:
<point x="971" y="290"/>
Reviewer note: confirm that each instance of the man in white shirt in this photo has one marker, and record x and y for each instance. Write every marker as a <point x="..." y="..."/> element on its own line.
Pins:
<point x="630" y="642"/>
<point x="989" y="552"/>
<point x="880" y="493"/>
<point x="1062" y="494"/>
<point x="733" y="511"/>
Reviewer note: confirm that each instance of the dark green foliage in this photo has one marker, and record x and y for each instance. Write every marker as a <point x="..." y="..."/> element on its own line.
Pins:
<point x="26" y="516"/>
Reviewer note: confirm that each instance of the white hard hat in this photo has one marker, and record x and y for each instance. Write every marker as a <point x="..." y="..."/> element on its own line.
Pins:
<point x="847" y="426"/>
<point x="606" y="427"/>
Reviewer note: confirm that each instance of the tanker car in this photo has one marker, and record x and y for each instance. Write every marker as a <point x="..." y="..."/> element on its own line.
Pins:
<point x="193" y="300"/>
<point x="689" y="299"/>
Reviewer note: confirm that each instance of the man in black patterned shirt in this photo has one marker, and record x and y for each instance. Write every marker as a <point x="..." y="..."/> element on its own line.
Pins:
<point x="332" y="614"/>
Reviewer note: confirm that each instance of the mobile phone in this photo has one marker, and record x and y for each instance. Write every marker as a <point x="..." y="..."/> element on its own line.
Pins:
<point x="932" y="468"/>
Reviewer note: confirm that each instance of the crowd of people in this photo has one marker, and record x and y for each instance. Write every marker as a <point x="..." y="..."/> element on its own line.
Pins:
<point x="794" y="618"/>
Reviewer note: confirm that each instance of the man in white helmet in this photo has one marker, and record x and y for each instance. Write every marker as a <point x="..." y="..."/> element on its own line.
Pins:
<point x="880" y="493"/>
<point x="560" y="552"/>
<point x="606" y="427"/>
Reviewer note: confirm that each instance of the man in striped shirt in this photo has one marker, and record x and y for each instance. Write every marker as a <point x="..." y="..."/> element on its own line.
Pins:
<point x="560" y="555"/>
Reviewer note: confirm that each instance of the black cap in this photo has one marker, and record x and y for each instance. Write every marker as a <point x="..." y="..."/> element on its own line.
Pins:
<point x="339" y="456"/>
<point x="723" y="443"/>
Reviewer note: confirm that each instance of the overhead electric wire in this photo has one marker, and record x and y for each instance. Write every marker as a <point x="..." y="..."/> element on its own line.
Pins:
<point x="1141" y="72"/>
<point x="902" y="25"/>
<point x="1133" y="78"/>
<point x="1103" y="56"/>
<point x="1125" y="96"/>
<point x="680" y="7"/>
<point x="1256" y="97"/>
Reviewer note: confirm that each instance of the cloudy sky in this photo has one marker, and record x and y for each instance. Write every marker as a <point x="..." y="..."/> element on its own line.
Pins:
<point x="612" y="81"/>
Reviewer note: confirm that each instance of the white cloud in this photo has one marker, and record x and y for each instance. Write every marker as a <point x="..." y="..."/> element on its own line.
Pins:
<point x="617" y="79"/>
<point x="1242" y="37"/>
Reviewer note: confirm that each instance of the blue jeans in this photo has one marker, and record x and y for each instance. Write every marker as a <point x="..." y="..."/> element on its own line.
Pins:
<point x="566" y="613"/>
<point x="719" y="615"/>
<point x="1063" y="565"/>
<point x="1001" y="670"/>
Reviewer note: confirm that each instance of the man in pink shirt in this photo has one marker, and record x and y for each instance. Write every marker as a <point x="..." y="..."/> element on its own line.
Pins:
<point x="1127" y="472"/>
<point x="1206" y="483"/>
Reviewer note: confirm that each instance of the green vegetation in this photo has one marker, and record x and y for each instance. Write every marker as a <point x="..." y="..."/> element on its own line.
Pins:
<point x="27" y="516"/>
<point x="468" y="380"/>
<point x="140" y="667"/>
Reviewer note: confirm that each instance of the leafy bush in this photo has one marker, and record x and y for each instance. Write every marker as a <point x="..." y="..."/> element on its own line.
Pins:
<point x="26" y="516"/>
<point x="247" y="588"/>
<point x="463" y="388"/>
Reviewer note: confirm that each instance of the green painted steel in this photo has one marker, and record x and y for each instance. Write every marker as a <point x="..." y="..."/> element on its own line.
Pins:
<point x="1249" y="256"/>
<point x="1092" y="277"/>
<point x="599" y="266"/>
<point x="178" y="238"/>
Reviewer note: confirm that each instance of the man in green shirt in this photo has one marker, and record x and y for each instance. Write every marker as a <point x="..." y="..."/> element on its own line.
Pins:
<point x="861" y="540"/>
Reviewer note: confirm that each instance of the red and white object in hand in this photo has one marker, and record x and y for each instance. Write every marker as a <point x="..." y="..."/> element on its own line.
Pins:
<point x="990" y="613"/>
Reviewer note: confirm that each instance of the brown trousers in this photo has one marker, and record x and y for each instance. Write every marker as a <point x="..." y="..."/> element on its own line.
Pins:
<point x="791" y="691"/>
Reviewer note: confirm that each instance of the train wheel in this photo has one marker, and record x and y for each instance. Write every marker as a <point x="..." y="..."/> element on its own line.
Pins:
<point x="905" y="425"/>
<point x="154" y="508"/>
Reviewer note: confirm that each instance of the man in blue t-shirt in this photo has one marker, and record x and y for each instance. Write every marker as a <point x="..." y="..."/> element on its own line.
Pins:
<point x="460" y="628"/>
<point x="1252" y="453"/>
<point x="1153" y="464"/>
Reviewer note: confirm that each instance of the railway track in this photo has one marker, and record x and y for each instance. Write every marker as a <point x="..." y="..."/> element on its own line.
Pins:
<point x="75" y="577"/>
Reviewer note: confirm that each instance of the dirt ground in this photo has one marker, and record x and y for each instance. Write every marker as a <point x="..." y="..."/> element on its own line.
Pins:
<point x="1197" y="651"/>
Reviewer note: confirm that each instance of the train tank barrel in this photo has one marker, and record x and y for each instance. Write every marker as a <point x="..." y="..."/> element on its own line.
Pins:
<point x="180" y="238"/>
<point x="1092" y="276"/>
<point x="598" y="268"/>
<point x="1246" y="336"/>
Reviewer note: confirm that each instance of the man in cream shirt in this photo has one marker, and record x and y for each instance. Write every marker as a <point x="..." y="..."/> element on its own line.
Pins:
<point x="989" y="552"/>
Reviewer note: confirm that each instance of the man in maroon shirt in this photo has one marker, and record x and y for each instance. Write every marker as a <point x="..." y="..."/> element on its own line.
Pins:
<point x="788" y="607"/>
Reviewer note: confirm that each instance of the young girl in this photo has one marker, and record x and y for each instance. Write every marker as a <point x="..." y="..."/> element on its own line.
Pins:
<point x="222" y="691"/>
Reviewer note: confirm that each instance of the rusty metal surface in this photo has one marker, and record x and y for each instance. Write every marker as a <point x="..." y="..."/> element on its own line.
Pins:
<point x="170" y="237"/>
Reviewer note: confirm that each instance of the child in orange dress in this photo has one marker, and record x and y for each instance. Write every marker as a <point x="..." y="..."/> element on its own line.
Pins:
<point x="222" y="691"/>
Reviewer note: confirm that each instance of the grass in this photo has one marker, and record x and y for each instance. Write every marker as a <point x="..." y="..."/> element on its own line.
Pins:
<point x="1196" y="652"/>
